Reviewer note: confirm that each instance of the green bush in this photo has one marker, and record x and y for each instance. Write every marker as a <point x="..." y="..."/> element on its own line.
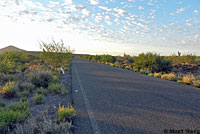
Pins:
<point x="56" y="53"/>
<point x="12" y="62"/>
<point x="56" y="88"/>
<point x="2" y="104"/>
<point x="152" y="62"/>
<point x="41" y="79"/>
<point x="38" y="99"/>
<point x="64" y="114"/>
<point x="23" y="95"/>
<point x="42" y="91"/>
<point x="15" y="113"/>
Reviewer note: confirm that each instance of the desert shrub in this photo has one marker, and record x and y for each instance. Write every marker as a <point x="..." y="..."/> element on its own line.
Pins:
<point x="55" y="79"/>
<point x="170" y="76"/>
<point x="9" y="89"/>
<point x="56" y="53"/>
<point x="150" y="74"/>
<point x="2" y="104"/>
<point x="19" y="106"/>
<point x="42" y="91"/>
<point x="64" y="114"/>
<point x="179" y="81"/>
<point x="56" y="88"/>
<point x="23" y="95"/>
<point x="144" y="72"/>
<point x="157" y="75"/>
<point x="196" y="83"/>
<point x="38" y="99"/>
<point x="41" y="79"/>
<point x="152" y="62"/>
<point x="108" y="58"/>
<point x="12" y="62"/>
<point x="26" y="86"/>
<point x="187" y="79"/>
<point x="42" y="124"/>
<point x="185" y="59"/>
<point x="15" y="113"/>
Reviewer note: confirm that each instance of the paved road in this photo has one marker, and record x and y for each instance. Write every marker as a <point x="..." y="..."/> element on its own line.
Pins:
<point x="115" y="101"/>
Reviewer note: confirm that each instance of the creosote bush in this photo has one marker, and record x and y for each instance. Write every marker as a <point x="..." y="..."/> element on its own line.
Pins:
<point x="152" y="62"/>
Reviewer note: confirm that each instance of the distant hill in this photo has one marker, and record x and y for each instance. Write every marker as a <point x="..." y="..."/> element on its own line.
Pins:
<point x="13" y="48"/>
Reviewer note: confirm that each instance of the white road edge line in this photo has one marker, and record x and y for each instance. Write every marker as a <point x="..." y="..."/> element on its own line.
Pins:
<point x="94" y="124"/>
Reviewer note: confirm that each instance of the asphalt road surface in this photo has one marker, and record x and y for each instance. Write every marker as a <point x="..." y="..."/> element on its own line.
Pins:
<point x="109" y="100"/>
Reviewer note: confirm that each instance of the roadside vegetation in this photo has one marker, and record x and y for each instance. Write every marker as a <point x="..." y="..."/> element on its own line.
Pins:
<point x="182" y="69"/>
<point x="31" y="91"/>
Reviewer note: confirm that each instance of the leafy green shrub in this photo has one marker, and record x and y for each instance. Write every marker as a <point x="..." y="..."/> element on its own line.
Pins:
<point x="42" y="91"/>
<point x="56" y="53"/>
<point x="15" y="113"/>
<point x="19" y="106"/>
<point x="9" y="89"/>
<point x="56" y="88"/>
<point x="2" y="104"/>
<point x="185" y="59"/>
<point x="144" y="72"/>
<point x="64" y="114"/>
<point x="12" y="62"/>
<point x="41" y="79"/>
<point x="152" y="62"/>
<point x="108" y="58"/>
<point x="150" y="74"/>
<point x="23" y="95"/>
<point x="38" y="99"/>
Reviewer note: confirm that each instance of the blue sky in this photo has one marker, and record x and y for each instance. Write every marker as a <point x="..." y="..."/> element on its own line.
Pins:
<point x="103" y="26"/>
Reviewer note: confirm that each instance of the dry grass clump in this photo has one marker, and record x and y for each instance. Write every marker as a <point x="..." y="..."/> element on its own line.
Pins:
<point x="196" y="83"/>
<point x="8" y="90"/>
<point x="157" y="75"/>
<point x="65" y="113"/>
<point x="42" y="125"/>
<point x="170" y="76"/>
<point x="187" y="79"/>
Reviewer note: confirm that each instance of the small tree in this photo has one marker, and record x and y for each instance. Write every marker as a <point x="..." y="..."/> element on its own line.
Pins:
<point x="56" y="53"/>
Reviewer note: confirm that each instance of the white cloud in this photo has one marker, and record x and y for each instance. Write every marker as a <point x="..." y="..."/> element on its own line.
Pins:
<point x="105" y="8"/>
<point x="196" y="36"/>
<point x="67" y="2"/>
<point x="196" y="11"/>
<point x="180" y="10"/>
<point x="120" y="11"/>
<point x="188" y="24"/>
<point x="94" y="2"/>
<point x="183" y="42"/>
<point x="85" y="12"/>
<point x="140" y="7"/>
<point x="171" y="24"/>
